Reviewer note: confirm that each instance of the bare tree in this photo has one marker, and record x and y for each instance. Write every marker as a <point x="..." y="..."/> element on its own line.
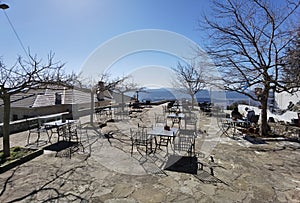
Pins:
<point x="246" y="41"/>
<point x="22" y="77"/>
<point x="190" y="79"/>
<point x="126" y="86"/>
<point x="106" y="82"/>
<point x="291" y="71"/>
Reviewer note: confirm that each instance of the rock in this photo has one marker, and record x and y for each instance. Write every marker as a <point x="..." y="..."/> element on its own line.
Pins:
<point x="122" y="190"/>
<point x="123" y="200"/>
<point x="263" y="192"/>
<point x="148" y="194"/>
<point x="169" y="182"/>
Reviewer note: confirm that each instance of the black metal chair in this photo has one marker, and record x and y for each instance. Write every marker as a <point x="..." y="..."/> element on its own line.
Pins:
<point x="185" y="143"/>
<point x="71" y="139"/>
<point x="37" y="129"/>
<point x="184" y="157"/>
<point x="190" y="121"/>
<point x="160" y="120"/>
<point x="140" y="138"/>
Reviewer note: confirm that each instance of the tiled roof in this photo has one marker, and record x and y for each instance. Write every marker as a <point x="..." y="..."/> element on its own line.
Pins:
<point x="46" y="97"/>
<point x="42" y="100"/>
<point x="24" y="99"/>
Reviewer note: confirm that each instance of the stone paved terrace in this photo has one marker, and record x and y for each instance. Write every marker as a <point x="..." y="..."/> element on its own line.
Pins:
<point x="243" y="171"/>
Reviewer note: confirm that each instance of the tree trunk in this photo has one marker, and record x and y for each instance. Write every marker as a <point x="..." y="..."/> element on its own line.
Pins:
<point x="123" y="102"/>
<point x="92" y="106"/>
<point x="193" y="100"/>
<point x="5" y="129"/>
<point x="264" y="117"/>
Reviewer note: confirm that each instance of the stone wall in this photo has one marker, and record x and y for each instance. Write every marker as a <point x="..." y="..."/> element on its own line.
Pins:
<point x="25" y="124"/>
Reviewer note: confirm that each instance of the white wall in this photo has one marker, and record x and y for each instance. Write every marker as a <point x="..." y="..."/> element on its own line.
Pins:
<point x="286" y="117"/>
<point x="283" y="99"/>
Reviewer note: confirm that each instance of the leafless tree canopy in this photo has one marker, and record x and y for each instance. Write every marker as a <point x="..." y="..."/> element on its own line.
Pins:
<point x="26" y="75"/>
<point x="291" y="71"/>
<point x="126" y="85"/>
<point x="106" y="82"/>
<point x="189" y="78"/>
<point x="248" y="40"/>
<point x="30" y="74"/>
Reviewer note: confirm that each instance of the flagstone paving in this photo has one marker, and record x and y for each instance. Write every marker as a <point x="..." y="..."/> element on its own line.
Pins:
<point x="106" y="172"/>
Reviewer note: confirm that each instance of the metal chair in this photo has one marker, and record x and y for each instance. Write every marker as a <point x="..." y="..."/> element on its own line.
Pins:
<point x="190" y="121"/>
<point x="224" y="125"/>
<point x="37" y="129"/>
<point x="71" y="139"/>
<point x="141" y="138"/>
<point x="185" y="143"/>
<point x="160" y="120"/>
<point x="184" y="157"/>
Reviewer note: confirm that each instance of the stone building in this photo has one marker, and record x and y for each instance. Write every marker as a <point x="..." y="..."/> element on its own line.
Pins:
<point x="76" y="101"/>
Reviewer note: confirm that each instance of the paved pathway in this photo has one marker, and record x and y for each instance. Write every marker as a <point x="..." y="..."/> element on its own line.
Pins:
<point x="243" y="171"/>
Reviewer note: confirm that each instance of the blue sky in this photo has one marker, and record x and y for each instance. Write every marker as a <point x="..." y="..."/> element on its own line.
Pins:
<point x="73" y="29"/>
<point x="77" y="30"/>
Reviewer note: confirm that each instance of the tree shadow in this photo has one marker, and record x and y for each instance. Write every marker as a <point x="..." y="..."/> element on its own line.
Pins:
<point x="7" y="181"/>
<point x="54" y="189"/>
<point x="254" y="139"/>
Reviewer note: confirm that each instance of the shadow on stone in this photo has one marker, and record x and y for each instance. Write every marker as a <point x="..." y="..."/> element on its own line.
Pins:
<point x="254" y="140"/>
<point x="183" y="164"/>
<point x="59" y="146"/>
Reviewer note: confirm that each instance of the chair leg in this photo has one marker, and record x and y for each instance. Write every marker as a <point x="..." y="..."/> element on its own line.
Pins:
<point x="155" y="140"/>
<point x="38" y="138"/>
<point x="132" y="148"/>
<point x="28" y="138"/>
<point x="49" y="136"/>
<point x="151" y="145"/>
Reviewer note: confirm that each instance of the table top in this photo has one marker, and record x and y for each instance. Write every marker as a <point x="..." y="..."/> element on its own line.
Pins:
<point x="174" y="115"/>
<point x="58" y="123"/>
<point x="176" y="107"/>
<point x="160" y="131"/>
<point x="233" y="121"/>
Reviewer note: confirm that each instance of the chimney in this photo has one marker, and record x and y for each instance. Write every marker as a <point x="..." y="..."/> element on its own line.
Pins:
<point x="100" y="91"/>
<point x="57" y="98"/>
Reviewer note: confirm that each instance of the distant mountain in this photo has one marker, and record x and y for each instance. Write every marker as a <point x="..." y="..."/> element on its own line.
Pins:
<point x="202" y="96"/>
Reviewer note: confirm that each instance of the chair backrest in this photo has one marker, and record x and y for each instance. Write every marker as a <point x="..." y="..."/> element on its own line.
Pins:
<point x="185" y="143"/>
<point x="139" y="134"/>
<point x="160" y="120"/>
<point x="72" y="128"/>
<point x="254" y="119"/>
<point x="191" y="122"/>
<point x="142" y="133"/>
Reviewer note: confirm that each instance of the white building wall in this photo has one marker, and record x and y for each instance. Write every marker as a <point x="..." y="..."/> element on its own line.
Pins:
<point x="283" y="99"/>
